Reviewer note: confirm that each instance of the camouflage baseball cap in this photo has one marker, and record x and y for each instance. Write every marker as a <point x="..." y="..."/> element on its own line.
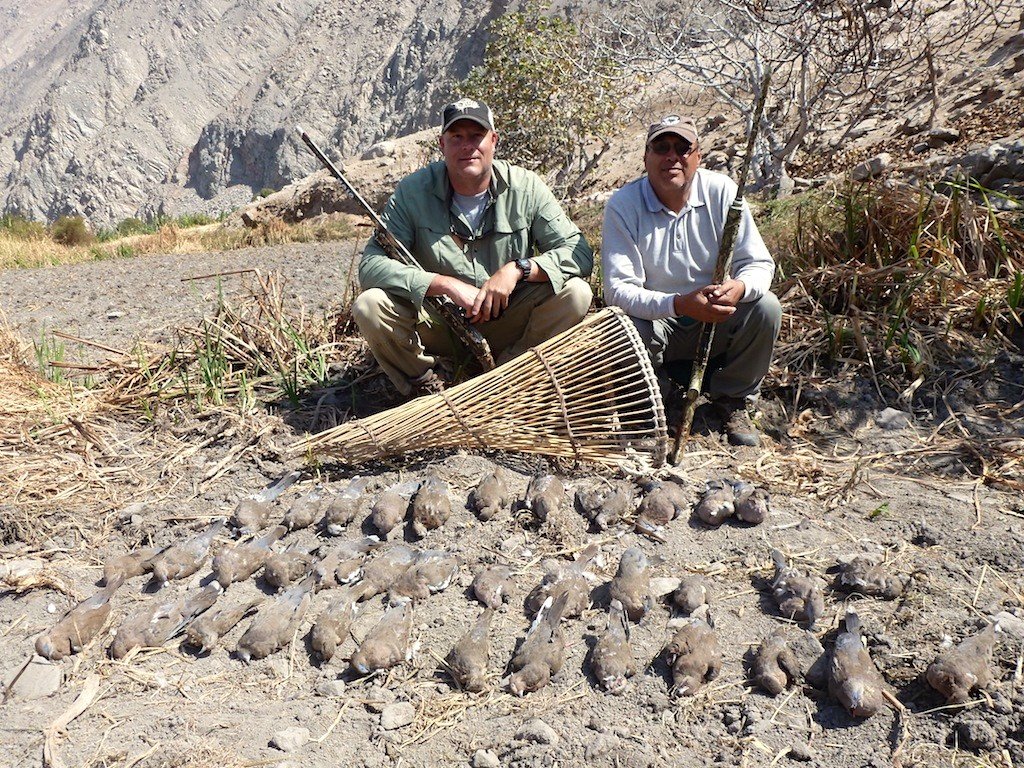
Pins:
<point x="467" y="109"/>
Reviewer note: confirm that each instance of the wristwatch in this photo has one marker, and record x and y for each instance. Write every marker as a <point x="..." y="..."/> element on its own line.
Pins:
<point x="525" y="267"/>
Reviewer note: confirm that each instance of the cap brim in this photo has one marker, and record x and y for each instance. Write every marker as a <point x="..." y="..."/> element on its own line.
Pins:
<point x="477" y="120"/>
<point x="679" y="130"/>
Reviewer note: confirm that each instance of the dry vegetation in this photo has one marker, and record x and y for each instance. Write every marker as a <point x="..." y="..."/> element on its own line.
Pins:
<point x="28" y="244"/>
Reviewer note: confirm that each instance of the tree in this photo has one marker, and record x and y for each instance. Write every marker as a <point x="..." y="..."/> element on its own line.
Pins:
<point x="833" y="61"/>
<point x="561" y="98"/>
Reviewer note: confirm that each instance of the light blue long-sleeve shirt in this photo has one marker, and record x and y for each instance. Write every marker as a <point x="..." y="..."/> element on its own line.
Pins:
<point x="650" y="253"/>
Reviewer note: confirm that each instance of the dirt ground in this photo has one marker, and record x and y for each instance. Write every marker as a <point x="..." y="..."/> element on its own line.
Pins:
<point x="846" y="477"/>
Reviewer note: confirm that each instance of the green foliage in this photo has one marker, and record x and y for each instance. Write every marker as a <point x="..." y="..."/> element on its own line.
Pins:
<point x="265" y="192"/>
<point x="21" y="228"/>
<point x="71" y="230"/>
<point x="187" y="220"/>
<point x="48" y="349"/>
<point x="557" y="100"/>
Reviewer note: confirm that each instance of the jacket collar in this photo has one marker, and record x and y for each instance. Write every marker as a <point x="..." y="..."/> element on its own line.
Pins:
<point x="442" y="188"/>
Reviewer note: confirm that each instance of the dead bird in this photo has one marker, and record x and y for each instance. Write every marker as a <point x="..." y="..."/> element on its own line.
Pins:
<point x="343" y="507"/>
<point x="431" y="506"/>
<point x="129" y="565"/>
<point x="717" y="503"/>
<point x="853" y="679"/>
<point x="691" y="594"/>
<point x="799" y="596"/>
<point x="276" y="622"/>
<point x="491" y="585"/>
<point x="283" y="569"/>
<point x="631" y="585"/>
<point x="432" y="572"/>
<point x="391" y="506"/>
<point x="387" y="644"/>
<point x="179" y="561"/>
<point x="867" y="574"/>
<point x="343" y="564"/>
<point x="609" y="507"/>
<point x="694" y="655"/>
<point x="662" y="503"/>
<point x="239" y="561"/>
<point x="567" y="578"/>
<point x="206" y="631"/>
<point x="611" y="659"/>
<point x="304" y="510"/>
<point x="490" y="496"/>
<point x="960" y="670"/>
<point x="254" y="514"/>
<point x="79" y="626"/>
<point x="467" y="660"/>
<point x="542" y="653"/>
<point x="774" y="666"/>
<point x="332" y="625"/>
<point x="545" y="497"/>
<point x="155" y="625"/>
<point x="380" y="574"/>
<point x="750" y="502"/>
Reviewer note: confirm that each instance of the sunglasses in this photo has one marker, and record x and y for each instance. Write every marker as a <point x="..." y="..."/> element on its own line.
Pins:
<point x="664" y="146"/>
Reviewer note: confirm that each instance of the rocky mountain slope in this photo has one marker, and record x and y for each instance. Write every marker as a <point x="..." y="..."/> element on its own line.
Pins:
<point x="115" y="108"/>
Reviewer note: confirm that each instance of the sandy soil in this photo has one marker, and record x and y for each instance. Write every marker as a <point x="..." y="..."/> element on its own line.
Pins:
<point x="959" y="542"/>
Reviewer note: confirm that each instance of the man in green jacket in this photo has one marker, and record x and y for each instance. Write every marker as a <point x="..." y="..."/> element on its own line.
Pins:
<point x="491" y="237"/>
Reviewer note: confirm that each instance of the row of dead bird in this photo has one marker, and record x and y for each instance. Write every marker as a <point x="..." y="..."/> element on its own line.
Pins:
<point x="408" y="574"/>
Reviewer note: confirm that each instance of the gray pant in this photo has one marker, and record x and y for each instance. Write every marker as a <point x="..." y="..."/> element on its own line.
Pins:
<point x="745" y="341"/>
<point x="407" y="343"/>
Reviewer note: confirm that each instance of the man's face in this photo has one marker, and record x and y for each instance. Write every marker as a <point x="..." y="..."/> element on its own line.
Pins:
<point x="671" y="163"/>
<point x="468" y="150"/>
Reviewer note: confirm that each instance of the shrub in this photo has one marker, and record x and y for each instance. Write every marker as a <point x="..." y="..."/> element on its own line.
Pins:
<point x="21" y="228"/>
<point x="71" y="230"/>
<point x="561" y="99"/>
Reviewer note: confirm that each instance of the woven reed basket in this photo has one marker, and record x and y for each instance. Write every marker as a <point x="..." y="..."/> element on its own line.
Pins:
<point x="588" y="394"/>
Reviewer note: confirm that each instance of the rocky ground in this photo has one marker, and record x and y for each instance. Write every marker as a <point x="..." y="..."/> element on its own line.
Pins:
<point x="846" y="477"/>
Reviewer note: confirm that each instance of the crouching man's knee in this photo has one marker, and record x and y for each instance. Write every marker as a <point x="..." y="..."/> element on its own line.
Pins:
<point x="767" y="315"/>
<point x="374" y="311"/>
<point x="577" y="296"/>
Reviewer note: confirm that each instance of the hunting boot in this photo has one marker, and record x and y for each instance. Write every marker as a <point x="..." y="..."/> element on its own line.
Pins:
<point x="736" y="422"/>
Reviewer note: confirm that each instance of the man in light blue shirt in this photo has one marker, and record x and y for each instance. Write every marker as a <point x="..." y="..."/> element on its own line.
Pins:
<point x="660" y="244"/>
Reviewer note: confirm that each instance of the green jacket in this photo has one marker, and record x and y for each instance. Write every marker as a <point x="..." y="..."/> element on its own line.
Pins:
<point x="523" y="218"/>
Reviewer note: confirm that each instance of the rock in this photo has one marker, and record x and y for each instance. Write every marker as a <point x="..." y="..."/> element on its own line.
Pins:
<point x="485" y="758"/>
<point x="801" y="752"/>
<point x="397" y="715"/>
<point x="893" y="419"/>
<point x="600" y="745"/>
<point x="380" y="149"/>
<point x="40" y="679"/>
<point x="977" y="735"/>
<point x="538" y="732"/>
<point x="938" y="137"/>
<point x="377" y="698"/>
<point x="871" y="168"/>
<point x="290" y="739"/>
<point x="332" y="688"/>
<point x="1010" y="624"/>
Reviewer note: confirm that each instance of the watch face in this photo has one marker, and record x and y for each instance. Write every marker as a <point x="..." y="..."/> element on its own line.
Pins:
<point x="525" y="266"/>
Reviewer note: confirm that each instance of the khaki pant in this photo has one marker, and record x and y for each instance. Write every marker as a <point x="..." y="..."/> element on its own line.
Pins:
<point x="745" y="342"/>
<point x="408" y="343"/>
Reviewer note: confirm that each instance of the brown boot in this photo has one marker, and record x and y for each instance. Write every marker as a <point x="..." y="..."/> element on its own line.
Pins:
<point x="736" y="421"/>
<point x="427" y="384"/>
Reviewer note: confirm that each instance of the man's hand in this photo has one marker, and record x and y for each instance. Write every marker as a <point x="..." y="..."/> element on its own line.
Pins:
<point x="711" y="304"/>
<point x="492" y="298"/>
<point x="462" y="293"/>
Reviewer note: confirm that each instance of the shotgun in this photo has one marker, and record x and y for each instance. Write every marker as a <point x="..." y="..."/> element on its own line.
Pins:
<point x="394" y="248"/>
<point x="722" y="264"/>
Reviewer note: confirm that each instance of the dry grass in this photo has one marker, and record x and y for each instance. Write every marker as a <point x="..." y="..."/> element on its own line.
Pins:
<point x="39" y="250"/>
